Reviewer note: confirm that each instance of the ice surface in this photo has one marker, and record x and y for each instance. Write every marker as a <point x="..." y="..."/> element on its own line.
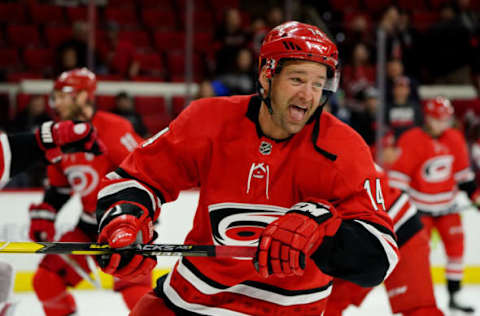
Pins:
<point x="103" y="302"/>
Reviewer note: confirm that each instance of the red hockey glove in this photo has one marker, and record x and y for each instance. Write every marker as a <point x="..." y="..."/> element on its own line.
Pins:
<point x="287" y="242"/>
<point x="475" y="198"/>
<point x="42" y="222"/>
<point x="67" y="137"/>
<point x="120" y="226"/>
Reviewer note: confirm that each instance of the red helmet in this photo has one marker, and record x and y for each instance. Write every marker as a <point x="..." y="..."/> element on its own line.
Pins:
<point x="77" y="80"/>
<point x="300" y="41"/>
<point x="439" y="108"/>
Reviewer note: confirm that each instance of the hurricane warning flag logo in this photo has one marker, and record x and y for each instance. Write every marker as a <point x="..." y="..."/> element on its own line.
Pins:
<point x="238" y="224"/>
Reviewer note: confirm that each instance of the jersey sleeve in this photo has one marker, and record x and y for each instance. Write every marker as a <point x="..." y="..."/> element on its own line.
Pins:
<point x="5" y="159"/>
<point x="364" y="250"/>
<point x="461" y="165"/>
<point x="18" y="152"/>
<point x="404" y="165"/>
<point x="156" y="171"/>
<point x="121" y="142"/>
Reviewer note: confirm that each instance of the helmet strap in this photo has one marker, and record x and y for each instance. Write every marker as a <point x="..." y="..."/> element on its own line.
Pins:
<point x="261" y="92"/>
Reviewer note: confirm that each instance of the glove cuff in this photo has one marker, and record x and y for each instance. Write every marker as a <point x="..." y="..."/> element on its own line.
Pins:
<point x="42" y="211"/>
<point x="44" y="135"/>
<point x="318" y="211"/>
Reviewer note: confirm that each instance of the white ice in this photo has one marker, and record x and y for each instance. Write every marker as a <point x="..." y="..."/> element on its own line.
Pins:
<point x="103" y="303"/>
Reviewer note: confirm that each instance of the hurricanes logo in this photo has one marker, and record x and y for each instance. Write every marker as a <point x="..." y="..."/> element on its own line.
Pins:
<point x="238" y="224"/>
<point x="82" y="178"/>
<point x="437" y="169"/>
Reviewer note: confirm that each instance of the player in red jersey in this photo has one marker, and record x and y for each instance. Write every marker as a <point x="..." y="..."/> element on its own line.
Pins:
<point x="274" y="173"/>
<point x="18" y="151"/>
<point x="433" y="164"/>
<point x="409" y="287"/>
<point x="73" y="98"/>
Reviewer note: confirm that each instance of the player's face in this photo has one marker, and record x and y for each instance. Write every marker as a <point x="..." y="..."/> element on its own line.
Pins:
<point x="437" y="126"/>
<point x="66" y="105"/>
<point x="296" y="93"/>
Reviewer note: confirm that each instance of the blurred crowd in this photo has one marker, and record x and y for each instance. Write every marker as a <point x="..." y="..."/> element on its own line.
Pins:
<point x="427" y="42"/>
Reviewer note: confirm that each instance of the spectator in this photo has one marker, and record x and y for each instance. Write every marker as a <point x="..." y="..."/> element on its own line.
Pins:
<point x="443" y="42"/>
<point x="258" y="30"/>
<point x="408" y="37"/>
<point x="73" y="52"/>
<point x="125" y="107"/>
<point x="275" y="17"/>
<point x="395" y="70"/>
<point x="363" y="118"/>
<point x="32" y="116"/>
<point x="117" y="55"/>
<point x="389" y="23"/>
<point x="471" y="21"/>
<point x="359" y="72"/>
<point x="402" y="113"/>
<point x="229" y="38"/>
<point x="241" y="80"/>
<point x="205" y="90"/>
<point x="357" y="31"/>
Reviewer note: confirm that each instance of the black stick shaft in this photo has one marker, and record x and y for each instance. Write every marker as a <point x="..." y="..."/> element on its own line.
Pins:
<point x="74" y="248"/>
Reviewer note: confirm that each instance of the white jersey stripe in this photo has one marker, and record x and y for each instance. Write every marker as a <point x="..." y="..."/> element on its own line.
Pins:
<point x="432" y="197"/>
<point x="464" y="175"/>
<point x="398" y="175"/>
<point x="398" y="205"/>
<point x="386" y="241"/>
<point x="120" y="186"/>
<point x="438" y="208"/>
<point x="248" y="206"/>
<point x="175" y="298"/>
<point x="7" y="159"/>
<point x="412" y="210"/>
<point x="398" y="184"/>
<point x="251" y="291"/>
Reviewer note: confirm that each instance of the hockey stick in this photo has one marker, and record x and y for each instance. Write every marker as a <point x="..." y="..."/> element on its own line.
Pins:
<point x="84" y="274"/>
<point x="78" y="248"/>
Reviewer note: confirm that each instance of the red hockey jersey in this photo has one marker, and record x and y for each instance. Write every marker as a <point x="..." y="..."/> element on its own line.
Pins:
<point x="246" y="181"/>
<point x="402" y="211"/>
<point x="429" y="169"/>
<point x="82" y="172"/>
<point x="5" y="159"/>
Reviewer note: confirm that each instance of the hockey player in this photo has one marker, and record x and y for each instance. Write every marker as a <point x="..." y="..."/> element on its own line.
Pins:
<point x="73" y="98"/>
<point x="18" y="151"/>
<point x="274" y="172"/>
<point x="409" y="287"/>
<point x="433" y="164"/>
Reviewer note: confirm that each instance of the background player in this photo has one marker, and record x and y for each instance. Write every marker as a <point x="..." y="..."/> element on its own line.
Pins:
<point x="433" y="164"/>
<point x="409" y="287"/>
<point x="18" y="151"/>
<point x="73" y="97"/>
<point x="269" y="160"/>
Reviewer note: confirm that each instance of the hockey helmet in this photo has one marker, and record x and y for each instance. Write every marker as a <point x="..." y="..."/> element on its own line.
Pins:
<point x="77" y="80"/>
<point x="439" y="108"/>
<point x="295" y="40"/>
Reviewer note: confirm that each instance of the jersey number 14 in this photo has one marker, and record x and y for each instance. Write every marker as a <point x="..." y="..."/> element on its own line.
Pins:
<point x="378" y="194"/>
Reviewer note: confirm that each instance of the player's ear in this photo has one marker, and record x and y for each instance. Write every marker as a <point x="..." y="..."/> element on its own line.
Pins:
<point x="262" y="78"/>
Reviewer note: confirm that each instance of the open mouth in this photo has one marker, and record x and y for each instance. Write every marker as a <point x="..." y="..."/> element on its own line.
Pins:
<point x="297" y="113"/>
